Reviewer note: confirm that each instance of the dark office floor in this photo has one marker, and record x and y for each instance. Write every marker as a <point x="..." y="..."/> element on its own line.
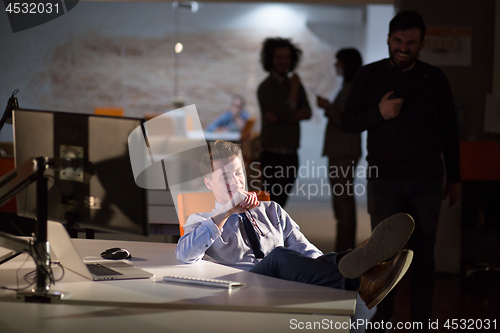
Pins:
<point x="455" y="297"/>
<point x="477" y="297"/>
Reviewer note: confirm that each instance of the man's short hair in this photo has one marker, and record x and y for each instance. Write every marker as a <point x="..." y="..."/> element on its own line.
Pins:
<point x="407" y="19"/>
<point x="217" y="151"/>
<point x="267" y="52"/>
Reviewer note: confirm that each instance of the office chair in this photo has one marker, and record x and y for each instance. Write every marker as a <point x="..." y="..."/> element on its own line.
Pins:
<point x="109" y="111"/>
<point x="198" y="202"/>
<point x="480" y="170"/>
<point x="247" y="129"/>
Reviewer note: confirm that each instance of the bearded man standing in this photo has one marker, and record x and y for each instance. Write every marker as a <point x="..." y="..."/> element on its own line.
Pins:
<point x="407" y="107"/>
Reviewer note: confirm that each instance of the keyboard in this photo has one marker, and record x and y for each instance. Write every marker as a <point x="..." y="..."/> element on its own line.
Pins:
<point x="100" y="270"/>
<point x="203" y="282"/>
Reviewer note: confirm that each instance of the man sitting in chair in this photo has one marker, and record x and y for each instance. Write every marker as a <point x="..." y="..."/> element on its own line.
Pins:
<point x="262" y="238"/>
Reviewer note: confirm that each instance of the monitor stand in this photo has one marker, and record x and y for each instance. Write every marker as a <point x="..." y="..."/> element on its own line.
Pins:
<point x="38" y="248"/>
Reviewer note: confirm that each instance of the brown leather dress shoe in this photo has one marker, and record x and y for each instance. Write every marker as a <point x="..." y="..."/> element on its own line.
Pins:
<point x="379" y="280"/>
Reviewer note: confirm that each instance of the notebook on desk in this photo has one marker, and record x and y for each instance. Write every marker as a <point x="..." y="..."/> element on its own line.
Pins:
<point x="64" y="249"/>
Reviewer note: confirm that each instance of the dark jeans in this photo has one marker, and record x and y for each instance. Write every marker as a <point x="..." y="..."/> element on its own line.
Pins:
<point x="286" y="264"/>
<point x="343" y="202"/>
<point x="422" y="200"/>
<point x="278" y="174"/>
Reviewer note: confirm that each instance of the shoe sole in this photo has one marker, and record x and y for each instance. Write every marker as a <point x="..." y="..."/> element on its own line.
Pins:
<point x="387" y="239"/>
<point x="403" y="268"/>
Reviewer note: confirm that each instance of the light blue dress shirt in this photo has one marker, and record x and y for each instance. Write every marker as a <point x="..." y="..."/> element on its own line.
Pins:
<point x="230" y="245"/>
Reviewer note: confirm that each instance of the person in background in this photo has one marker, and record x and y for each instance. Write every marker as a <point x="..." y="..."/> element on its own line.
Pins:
<point x="283" y="104"/>
<point x="233" y="120"/>
<point x="343" y="151"/>
<point x="408" y="109"/>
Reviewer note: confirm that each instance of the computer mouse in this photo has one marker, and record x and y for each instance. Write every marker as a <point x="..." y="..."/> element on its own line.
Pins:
<point x="116" y="253"/>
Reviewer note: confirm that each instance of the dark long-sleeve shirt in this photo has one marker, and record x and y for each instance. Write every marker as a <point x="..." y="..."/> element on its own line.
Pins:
<point x="410" y="145"/>
<point x="339" y="144"/>
<point x="273" y="97"/>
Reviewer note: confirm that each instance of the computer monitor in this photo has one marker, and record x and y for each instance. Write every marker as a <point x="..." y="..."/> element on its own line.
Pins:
<point x="92" y="185"/>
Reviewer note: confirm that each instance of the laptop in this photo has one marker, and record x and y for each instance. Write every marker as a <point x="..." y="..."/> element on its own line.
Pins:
<point x="64" y="249"/>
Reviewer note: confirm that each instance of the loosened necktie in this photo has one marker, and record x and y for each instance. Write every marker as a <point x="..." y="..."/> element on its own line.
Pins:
<point x="252" y="236"/>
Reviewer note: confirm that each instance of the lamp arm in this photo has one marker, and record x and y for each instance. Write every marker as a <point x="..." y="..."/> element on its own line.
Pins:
<point x="14" y="243"/>
<point x="11" y="104"/>
<point x="18" y="179"/>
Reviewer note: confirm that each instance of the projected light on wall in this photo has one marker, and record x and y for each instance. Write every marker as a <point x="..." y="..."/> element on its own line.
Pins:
<point x="280" y="17"/>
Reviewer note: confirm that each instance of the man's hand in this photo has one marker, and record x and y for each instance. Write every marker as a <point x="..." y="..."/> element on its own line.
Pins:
<point x="322" y="102"/>
<point x="390" y="107"/>
<point x="293" y="94"/>
<point x="239" y="203"/>
<point x="453" y="191"/>
<point x="250" y="201"/>
<point x="295" y="81"/>
<point x="302" y="114"/>
<point x="270" y="117"/>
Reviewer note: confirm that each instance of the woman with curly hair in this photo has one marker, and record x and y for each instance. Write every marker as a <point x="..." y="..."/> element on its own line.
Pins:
<point x="283" y="104"/>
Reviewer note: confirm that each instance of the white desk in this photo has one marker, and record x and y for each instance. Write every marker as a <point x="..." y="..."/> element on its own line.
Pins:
<point x="264" y="302"/>
<point x="55" y="318"/>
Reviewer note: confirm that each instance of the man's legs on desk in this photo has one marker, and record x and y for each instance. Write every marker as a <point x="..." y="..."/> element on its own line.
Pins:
<point x="373" y="268"/>
<point x="287" y="264"/>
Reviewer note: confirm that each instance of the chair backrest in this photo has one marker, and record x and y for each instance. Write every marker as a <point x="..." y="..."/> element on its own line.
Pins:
<point x="199" y="202"/>
<point x="247" y="129"/>
<point x="109" y="111"/>
<point x="480" y="160"/>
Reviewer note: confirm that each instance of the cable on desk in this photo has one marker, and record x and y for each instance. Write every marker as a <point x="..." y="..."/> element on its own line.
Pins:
<point x="17" y="279"/>
<point x="48" y="271"/>
<point x="30" y="274"/>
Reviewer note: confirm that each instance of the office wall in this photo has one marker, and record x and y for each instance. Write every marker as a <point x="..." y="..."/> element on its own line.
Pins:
<point x="470" y="84"/>
<point x="496" y="55"/>
<point x="496" y="79"/>
<point x="121" y="54"/>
